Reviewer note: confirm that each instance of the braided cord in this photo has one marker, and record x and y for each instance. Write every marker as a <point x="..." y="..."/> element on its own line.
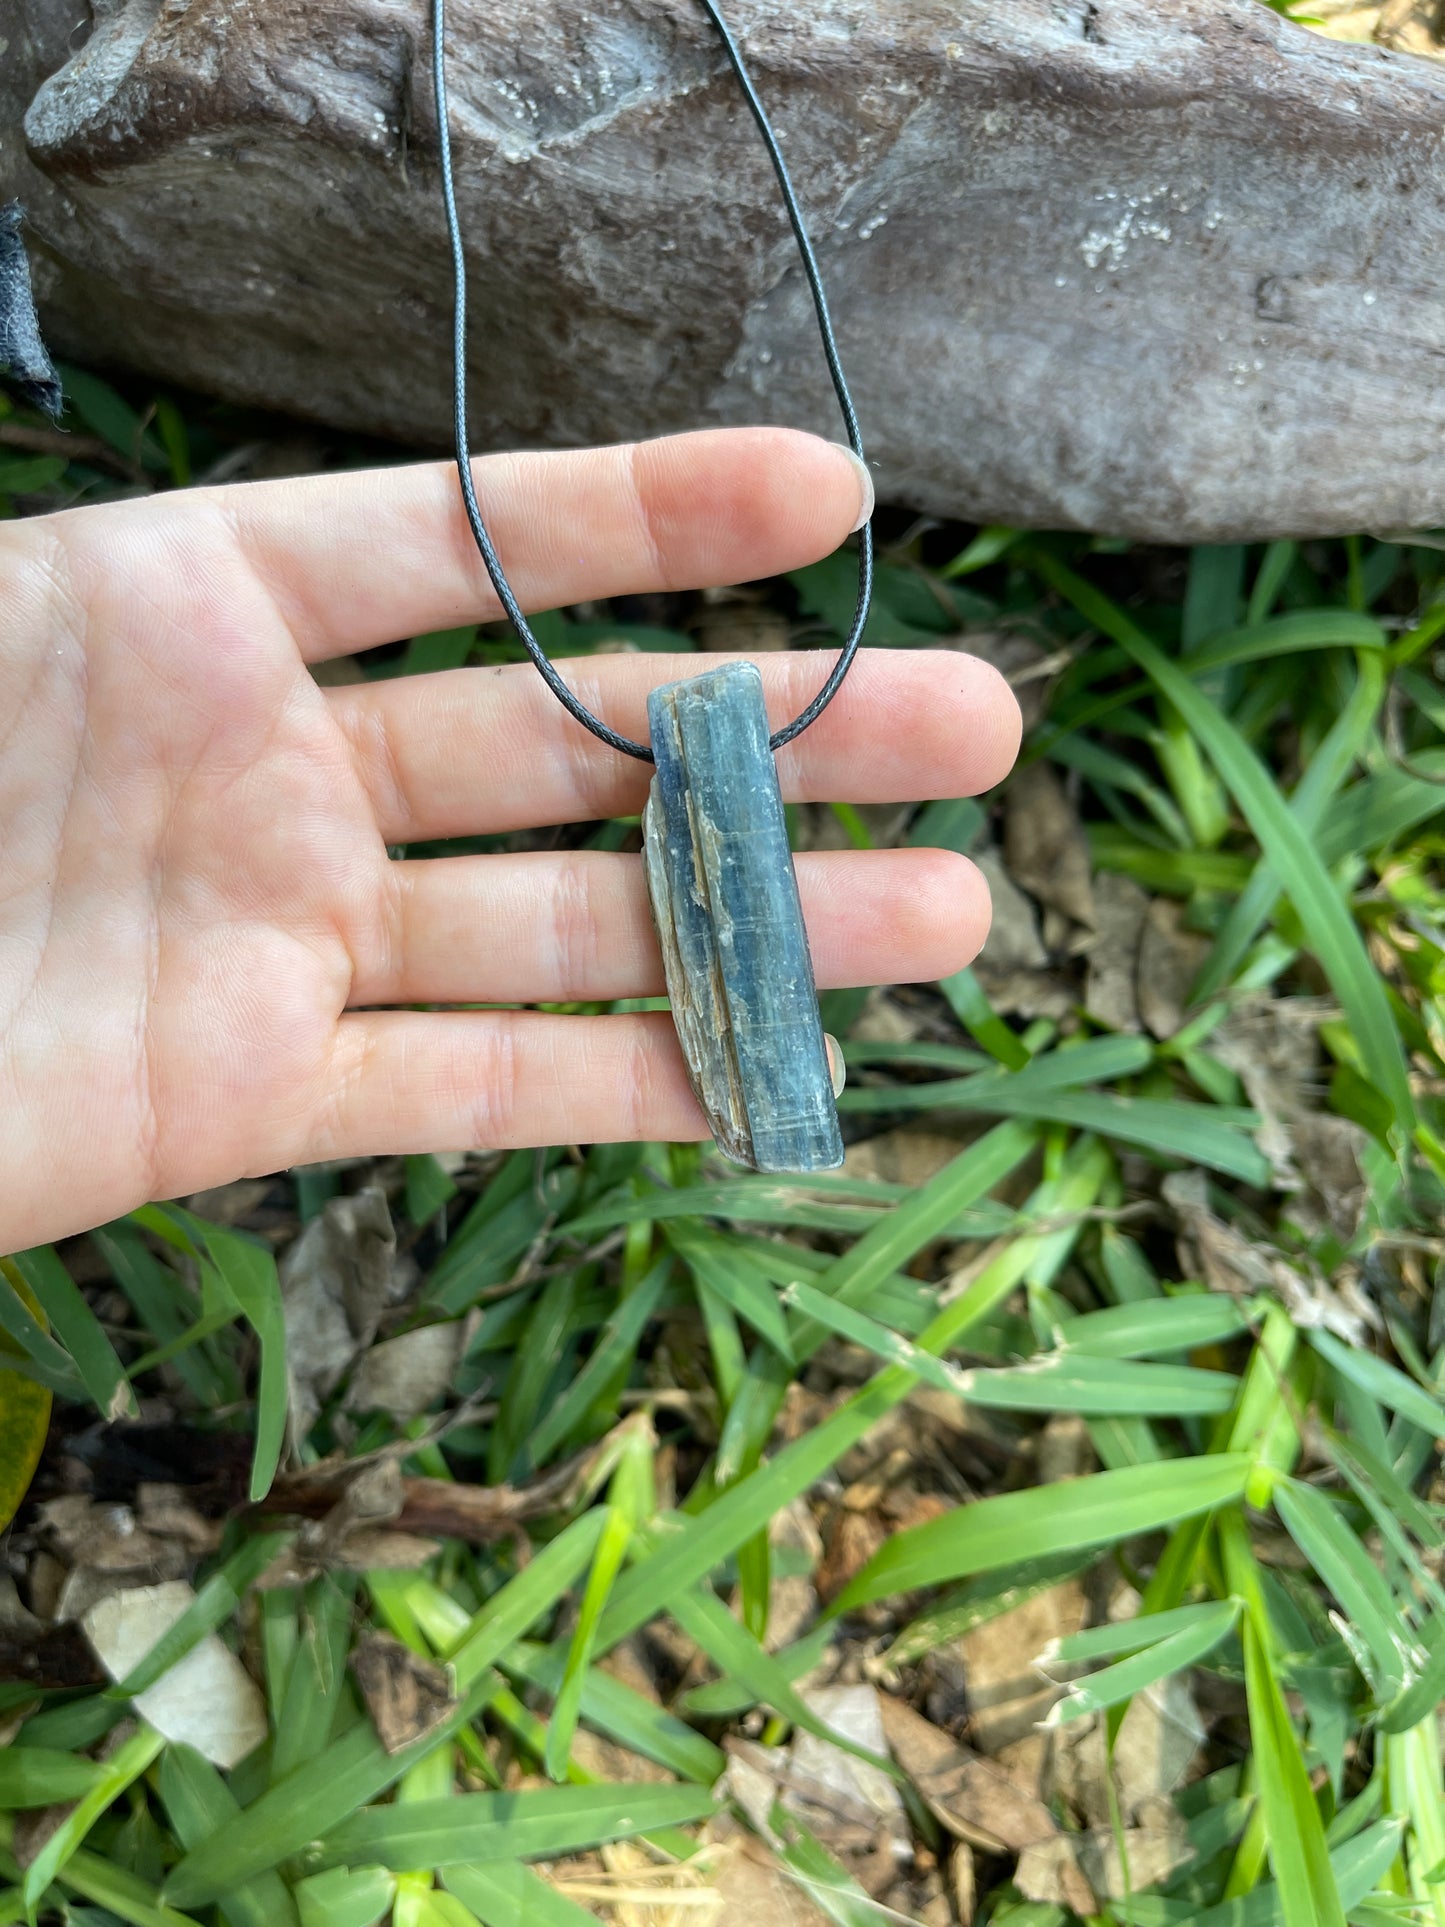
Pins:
<point x="478" y="526"/>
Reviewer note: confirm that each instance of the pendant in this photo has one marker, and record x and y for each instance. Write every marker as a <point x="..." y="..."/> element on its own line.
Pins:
<point x="725" y="902"/>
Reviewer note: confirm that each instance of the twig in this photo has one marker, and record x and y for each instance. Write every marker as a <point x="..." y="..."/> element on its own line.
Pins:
<point x="71" y="448"/>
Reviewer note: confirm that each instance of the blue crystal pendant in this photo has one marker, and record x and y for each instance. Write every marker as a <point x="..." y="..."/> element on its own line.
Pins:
<point x="725" y="902"/>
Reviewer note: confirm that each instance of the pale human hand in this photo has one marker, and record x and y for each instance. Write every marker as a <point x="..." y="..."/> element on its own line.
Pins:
<point x="200" y="924"/>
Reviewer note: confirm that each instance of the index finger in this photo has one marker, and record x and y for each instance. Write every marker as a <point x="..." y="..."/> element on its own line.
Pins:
<point x="368" y="557"/>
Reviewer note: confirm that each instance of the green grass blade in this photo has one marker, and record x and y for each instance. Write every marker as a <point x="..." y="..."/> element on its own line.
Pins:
<point x="615" y="1345"/>
<point x="346" y="1897"/>
<point x="1147" y="1326"/>
<point x="308" y="1804"/>
<point x="248" y="1272"/>
<point x="738" y="1655"/>
<point x="523" y="1600"/>
<point x="78" y="1329"/>
<point x="1286" y="636"/>
<point x="1326" y="770"/>
<point x="1180" y="1649"/>
<point x="507" y="1894"/>
<point x="1321" y="907"/>
<point x="531" y="1825"/>
<point x="624" y="1715"/>
<point x="31" y="1350"/>
<point x="612" y="1545"/>
<point x="724" y="1270"/>
<point x="316" y="1678"/>
<point x="1293" y="1829"/>
<point x="1099" y="1386"/>
<point x="1318" y="1529"/>
<point x="197" y="1801"/>
<point x="130" y="1760"/>
<point x="1093" y="1511"/>
<point x="1382" y="1381"/>
<point x="42" y="1776"/>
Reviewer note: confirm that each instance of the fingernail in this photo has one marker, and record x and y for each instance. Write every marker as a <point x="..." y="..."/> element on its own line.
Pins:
<point x="836" y="1065"/>
<point x="865" y="482"/>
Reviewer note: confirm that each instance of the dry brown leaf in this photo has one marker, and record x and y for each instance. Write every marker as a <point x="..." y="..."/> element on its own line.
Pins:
<point x="743" y="628"/>
<point x="1111" y="985"/>
<point x="167" y="1512"/>
<point x="1006" y="1696"/>
<point x="405" y="1376"/>
<point x="852" y="1539"/>
<point x="972" y="1797"/>
<point x="1272" y="1046"/>
<point x="1013" y="942"/>
<point x="1050" y="1872"/>
<point x="1411" y="27"/>
<point x="336" y="1281"/>
<point x="902" y="1156"/>
<point x="1170" y="957"/>
<point x="1148" y="1852"/>
<point x="755" y="1892"/>
<point x="1229" y="1262"/>
<point x="229" y="1203"/>
<point x="407" y="1696"/>
<point x="854" y="1808"/>
<point x="1045" y="847"/>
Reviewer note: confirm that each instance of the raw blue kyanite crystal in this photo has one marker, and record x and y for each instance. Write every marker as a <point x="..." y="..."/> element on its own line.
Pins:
<point x="725" y="902"/>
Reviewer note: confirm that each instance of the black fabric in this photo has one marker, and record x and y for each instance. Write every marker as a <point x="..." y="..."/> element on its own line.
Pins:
<point x="23" y="358"/>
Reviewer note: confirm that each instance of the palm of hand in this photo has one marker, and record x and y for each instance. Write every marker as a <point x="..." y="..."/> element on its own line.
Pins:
<point x="200" y="923"/>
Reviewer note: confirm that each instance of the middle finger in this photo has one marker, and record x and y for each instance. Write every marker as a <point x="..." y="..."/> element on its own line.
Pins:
<point x="475" y="750"/>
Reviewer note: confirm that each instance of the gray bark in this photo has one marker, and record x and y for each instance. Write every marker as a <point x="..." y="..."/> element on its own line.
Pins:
<point x="1166" y="268"/>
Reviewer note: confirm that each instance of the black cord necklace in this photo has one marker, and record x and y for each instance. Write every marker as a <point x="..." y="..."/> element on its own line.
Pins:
<point x="483" y="539"/>
<point x="719" y="870"/>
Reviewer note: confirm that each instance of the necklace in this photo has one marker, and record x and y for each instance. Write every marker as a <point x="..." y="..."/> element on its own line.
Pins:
<point x="720" y="875"/>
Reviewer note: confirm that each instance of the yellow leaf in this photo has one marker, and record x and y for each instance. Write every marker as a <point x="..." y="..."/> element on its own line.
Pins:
<point x="24" y="1412"/>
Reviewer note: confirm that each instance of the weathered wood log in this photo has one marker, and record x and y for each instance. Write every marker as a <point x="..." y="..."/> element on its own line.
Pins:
<point x="1170" y="268"/>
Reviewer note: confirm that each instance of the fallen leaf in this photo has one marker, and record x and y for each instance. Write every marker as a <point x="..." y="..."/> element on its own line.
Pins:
<point x="1013" y="942"/>
<point x="1229" y="1262"/>
<point x="1045" y="847"/>
<point x="753" y="1888"/>
<point x="1169" y="960"/>
<point x="1006" y="1696"/>
<point x="1049" y="1872"/>
<point x="405" y="1376"/>
<point x="969" y="1795"/>
<point x="854" y="1808"/>
<point x="207" y="1700"/>
<point x="883" y="1020"/>
<point x="834" y="1789"/>
<point x="407" y="1696"/>
<point x="1147" y="1853"/>
<point x="1111" y="982"/>
<point x="335" y="1283"/>
<point x="743" y="628"/>
<point x="902" y="1156"/>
